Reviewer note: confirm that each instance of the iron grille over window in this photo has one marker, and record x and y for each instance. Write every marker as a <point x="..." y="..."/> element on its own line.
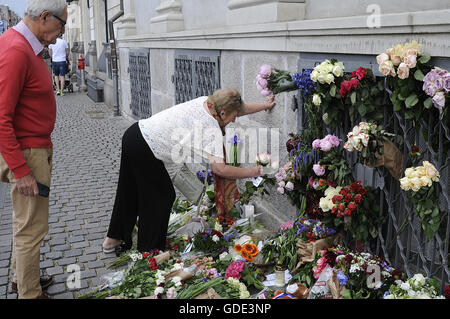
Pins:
<point x="196" y="74"/>
<point x="140" y="80"/>
<point x="410" y="250"/>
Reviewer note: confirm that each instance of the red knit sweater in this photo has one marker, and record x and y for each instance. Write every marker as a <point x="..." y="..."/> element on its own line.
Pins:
<point x="27" y="102"/>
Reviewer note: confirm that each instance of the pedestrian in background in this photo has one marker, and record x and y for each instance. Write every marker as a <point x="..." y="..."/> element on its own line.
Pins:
<point x="59" y="52"/>
<point x="27" y="119"/>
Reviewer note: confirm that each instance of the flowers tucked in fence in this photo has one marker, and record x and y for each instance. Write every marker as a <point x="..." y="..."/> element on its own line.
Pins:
<point x="353" y="209"/>
<point x="436" y="84"/>
<point x="310" y="230"/>
<point x="374" y="148"/>
<point x="405" y="66"/>
<point x="419" y="182"/>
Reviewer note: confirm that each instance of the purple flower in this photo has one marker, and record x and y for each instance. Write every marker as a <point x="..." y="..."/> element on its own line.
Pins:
<point x="439" y="100"/>
<point x="342" y="278"/>
<point x="319" y="169"/>
<point x="447" y="82"/>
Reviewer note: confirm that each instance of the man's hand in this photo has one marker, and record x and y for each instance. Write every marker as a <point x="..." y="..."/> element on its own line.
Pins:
<point x="27" y="185"/>
<point x="270" y="102"/>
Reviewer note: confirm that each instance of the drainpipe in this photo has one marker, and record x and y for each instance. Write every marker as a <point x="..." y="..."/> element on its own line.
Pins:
<point x="114" y="58"/>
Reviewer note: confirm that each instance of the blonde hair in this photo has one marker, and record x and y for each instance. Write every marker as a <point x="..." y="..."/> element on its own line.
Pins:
<point x="226" y="100"/>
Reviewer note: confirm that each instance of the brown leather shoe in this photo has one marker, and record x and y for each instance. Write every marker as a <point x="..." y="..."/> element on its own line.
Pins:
<point x="44" y="281"/>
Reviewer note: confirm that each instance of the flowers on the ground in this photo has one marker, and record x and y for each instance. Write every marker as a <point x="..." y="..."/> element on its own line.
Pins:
<point x="249" y="251"/>
<point x="417" y="287"/>
<point x="311" y="230"/>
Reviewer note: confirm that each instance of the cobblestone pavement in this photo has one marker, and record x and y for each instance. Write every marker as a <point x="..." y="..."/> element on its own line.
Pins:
<point x="87" y="142"/>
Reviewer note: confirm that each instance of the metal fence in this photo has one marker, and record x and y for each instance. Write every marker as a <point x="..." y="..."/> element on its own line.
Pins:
<point x="410" y="250"/>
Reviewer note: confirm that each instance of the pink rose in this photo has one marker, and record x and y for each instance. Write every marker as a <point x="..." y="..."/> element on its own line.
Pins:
<point x="316" y="144"/>
<point x="265" y="71"/>
<point x="280" y="190"/>
<point x="325" y="146"/>
<point x="411" y="61"/>
<point x="266" y="92"/>
<point x="403" y="71"/>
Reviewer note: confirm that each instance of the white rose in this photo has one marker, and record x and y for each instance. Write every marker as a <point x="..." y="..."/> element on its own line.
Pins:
<point x="405" y="184"/>
<point x="215" y="238"/>
<point x="321" y="78"/>
<point x="329" y="78"/>
<point x="382" y="58"/>
<point x="316" y="99"/>
<point x="419" y="279"/>
<point x="223" y="255"/>
<point x="415" y="184"/>
<point x="338" y="70"/>
<point x="314" y="75"/>
<point x="289" y="186"/>
<point x="425" y="181"/>
<point x="158" y="290"/>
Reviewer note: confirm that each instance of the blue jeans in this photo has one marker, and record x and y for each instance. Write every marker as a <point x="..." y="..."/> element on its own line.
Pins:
<point x="59" y="68"/>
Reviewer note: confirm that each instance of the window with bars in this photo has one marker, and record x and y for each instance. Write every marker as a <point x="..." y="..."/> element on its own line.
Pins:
<point x="197" y="73"/>
<point x="140" y="83"/>
<point x="409" y="249"/>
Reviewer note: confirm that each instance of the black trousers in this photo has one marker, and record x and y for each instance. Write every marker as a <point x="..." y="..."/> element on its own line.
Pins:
<point x="144" y="190"/>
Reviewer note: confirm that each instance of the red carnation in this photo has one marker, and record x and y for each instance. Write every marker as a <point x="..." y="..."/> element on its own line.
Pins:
<point x="360" y="73"/>
<point x="347" y="212"/>
<point x="145" y="255"/>
<point x="344" y="191"/>
<point x="341" y="207"/>
<point x="354" y="83"/>
<point x="348" y="197"/>
<point x="447" y="292"/>
<point x="352" y="206"/>
<point x="358" y="198"/>
<point x="334" y="209"/>
<point x="348" y="258"/>
<point x="345" y="88"/>
<point x="336" y="199"/>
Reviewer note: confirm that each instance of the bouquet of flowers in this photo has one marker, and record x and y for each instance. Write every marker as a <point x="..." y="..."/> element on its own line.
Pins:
<point x="271" y="81"/>
<point x="436" y="84"/>
<point x="240" y="270"/>
<point x="211" y="241"/>
<point x="364" y="94"/>
<point x="354" y="208"/>
<point x="282" y="247"/>
<point x="405" y="66"/>
<point x="357" y="272"/>
<point x="328" y="75"/>
<point x="419" y="183"/>
<point x="248" y="251"/>
<point x="310" y="230"/>
<point x="374" y="148"/>
<point x="332" y="164"/>
<point x="417" y="287"/>
<point x="264" y="159"/>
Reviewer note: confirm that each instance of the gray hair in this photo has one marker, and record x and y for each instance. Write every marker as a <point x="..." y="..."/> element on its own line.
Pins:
<point x="36" y="7"/>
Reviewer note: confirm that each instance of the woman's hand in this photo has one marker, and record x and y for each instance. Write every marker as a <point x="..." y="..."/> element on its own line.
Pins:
<point x="258" y="171"/>
<point x="270" y="102"/>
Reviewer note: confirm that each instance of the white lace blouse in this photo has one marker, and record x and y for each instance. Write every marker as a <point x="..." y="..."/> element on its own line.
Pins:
<point x="184" y="133"/>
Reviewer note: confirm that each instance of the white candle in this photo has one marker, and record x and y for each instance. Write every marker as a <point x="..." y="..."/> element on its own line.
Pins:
<point x="249" y="211"/>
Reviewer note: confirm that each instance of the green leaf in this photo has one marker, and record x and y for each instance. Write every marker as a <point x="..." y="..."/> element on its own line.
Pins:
<point x="424" y="58"/>
<point x="418" y="75"/>
<point x="333" y="90"/>
<point x="428" y="103"/>
<point x="353" y="98"/>
<point x="362" y="110"/>
<point x="411" y="100"/>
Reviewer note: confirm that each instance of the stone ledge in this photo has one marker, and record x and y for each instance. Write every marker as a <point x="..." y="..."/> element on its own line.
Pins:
<point x="337" y="35"/>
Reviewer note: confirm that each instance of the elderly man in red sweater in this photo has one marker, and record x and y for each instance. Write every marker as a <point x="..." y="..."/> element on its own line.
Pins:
<point x="27" y="119"/>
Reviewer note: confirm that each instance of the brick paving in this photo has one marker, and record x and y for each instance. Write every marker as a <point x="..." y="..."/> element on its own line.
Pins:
<point x="86" y="159"/>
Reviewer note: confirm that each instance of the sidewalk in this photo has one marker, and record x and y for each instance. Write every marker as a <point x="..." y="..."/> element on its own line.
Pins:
<point x="87" y="144"/>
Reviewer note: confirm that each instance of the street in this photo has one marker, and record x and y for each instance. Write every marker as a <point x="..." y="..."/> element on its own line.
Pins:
<point x="86" y="159"/>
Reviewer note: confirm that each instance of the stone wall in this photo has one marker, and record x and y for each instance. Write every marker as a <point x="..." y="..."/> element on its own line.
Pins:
<point x="249" y="33"/>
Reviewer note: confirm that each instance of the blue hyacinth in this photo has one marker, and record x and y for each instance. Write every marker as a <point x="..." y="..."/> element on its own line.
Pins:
<point x="304" y="82"/>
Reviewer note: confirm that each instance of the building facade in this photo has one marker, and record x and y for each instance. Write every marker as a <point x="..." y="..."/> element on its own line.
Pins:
<point x="8" y="18"/>
<point x="170" y="51"/>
